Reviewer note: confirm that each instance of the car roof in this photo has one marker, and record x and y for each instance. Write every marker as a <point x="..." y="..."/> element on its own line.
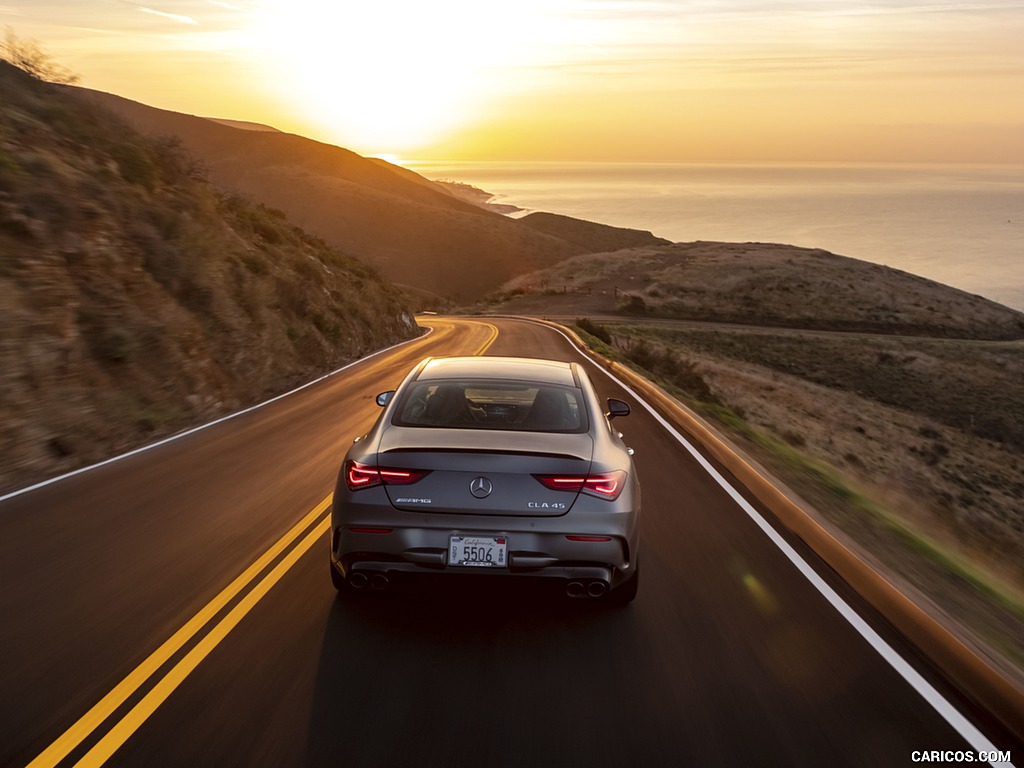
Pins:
<point x="500" y="368"/>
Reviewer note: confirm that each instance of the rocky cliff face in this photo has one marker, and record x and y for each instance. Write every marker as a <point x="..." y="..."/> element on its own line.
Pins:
<point x="138" y="299"/>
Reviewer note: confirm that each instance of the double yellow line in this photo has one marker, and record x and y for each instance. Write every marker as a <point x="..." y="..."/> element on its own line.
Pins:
<point x="449" y="325"/>
<point x="156" y="696"/>
<point x="490" y="339"/>
<point x="314" y="525"/>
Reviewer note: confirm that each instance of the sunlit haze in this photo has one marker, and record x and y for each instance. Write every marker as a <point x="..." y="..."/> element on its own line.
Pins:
<point x="609" y="80"/>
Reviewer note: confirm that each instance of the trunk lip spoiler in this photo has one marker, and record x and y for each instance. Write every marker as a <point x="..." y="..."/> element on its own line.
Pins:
<point x="489" y="451"/>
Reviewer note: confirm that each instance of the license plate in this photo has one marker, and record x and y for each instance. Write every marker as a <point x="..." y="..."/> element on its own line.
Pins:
<point x="478" y="551"/>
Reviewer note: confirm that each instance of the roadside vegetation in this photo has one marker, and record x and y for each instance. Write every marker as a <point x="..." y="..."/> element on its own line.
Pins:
<point x="138" y="298"/>
<point x="912" y="447"/>
<point x="30" y="58"/>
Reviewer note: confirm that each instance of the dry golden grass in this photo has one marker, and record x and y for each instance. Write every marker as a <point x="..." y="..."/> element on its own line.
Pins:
<point x="138" y="299"/>
<point x="883" y="438"/>
<point x="764" y="285"/>
<point x="890" y="403"/>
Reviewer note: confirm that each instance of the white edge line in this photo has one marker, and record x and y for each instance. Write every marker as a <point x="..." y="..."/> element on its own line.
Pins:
<point x="193" y="430"/>
<point x="978" y="741"/>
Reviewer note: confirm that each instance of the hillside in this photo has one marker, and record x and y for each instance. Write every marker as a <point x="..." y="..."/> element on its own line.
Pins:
<point x="594" y="238"/>
<point x="760" y="284"/>
<point x="139" y="299"/>
<point x="411" y="230"/>
<point x="888" y="403"/>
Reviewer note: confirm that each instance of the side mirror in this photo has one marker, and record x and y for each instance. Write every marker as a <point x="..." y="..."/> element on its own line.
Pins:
<point x="385" y="397"/>
<point x="617" y="408"/>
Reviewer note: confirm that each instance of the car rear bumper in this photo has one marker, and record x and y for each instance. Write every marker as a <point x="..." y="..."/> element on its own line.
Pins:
<point x="392" y="568"/>
<point x="544" y="554"/>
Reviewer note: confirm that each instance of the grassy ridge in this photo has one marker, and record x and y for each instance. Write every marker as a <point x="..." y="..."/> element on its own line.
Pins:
<point x="760" y="284"/>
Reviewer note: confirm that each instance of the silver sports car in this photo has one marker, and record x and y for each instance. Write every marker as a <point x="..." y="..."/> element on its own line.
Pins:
<point x="500" y="466"/>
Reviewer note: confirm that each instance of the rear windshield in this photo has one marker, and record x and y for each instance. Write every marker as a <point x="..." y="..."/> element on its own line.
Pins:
<point x="492" y="405"/>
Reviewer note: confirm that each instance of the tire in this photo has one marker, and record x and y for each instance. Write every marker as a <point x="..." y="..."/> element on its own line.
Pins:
<point x="626" y="593"/>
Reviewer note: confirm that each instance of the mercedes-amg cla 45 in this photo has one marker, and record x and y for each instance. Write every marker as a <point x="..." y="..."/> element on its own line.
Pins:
<point x="497" y="466"/>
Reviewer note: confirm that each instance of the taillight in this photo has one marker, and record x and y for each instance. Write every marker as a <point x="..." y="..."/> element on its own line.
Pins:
<point x="605" y="485"/>
<point x="562" y="482"/>
<point x="359" y="476"/>
<point x="392" y="476"/>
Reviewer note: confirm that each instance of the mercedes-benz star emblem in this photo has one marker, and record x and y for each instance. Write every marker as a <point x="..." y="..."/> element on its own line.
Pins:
<point x="481" y="487"/>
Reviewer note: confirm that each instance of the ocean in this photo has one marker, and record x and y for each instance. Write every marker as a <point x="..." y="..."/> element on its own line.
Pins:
<point x="959" y="225"/>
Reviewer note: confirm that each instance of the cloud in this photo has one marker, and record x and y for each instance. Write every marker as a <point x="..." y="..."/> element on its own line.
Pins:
<point x="172" y="16"/>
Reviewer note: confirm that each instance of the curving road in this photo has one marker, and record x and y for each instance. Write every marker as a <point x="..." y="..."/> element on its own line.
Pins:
<point x="173" y="608"/>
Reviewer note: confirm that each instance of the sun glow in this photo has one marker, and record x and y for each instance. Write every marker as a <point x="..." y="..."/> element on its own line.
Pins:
<point x="636" y="80"/>
<point x="395" y="75"/>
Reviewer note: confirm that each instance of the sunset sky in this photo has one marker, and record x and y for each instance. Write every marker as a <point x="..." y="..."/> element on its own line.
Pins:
<point x="612" y="80"/>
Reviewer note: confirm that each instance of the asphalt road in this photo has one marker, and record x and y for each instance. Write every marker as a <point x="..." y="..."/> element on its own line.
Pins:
<point x="173" y="608"/>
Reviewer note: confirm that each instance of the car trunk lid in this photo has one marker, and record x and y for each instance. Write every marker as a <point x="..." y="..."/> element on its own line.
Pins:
<point x="477" y="472"/>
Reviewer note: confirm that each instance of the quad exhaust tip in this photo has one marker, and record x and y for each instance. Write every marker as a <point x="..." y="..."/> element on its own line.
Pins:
<point x="364" y="580"/>
<point x="596" y="589"/>
<point x="358" y="580"/>
<point x="590" y="589"/>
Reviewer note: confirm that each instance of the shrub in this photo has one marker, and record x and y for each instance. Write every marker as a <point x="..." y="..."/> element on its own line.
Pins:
<point x="195" y="294"/>
<point x="27" y="56"/>
<point x="255" y="263"/>
<point x="794" y="438"/>
<point x="117" y="345"/>
<point x="596" y="330"/>
<point x="678" y="371"/>
<point x="328" y="327"/>
<point x="290" y="296"/>
<point x="633" y="305"/>
<point x="268" y="231"/>
<point x="135" y="164"/>
<point x="164" y="262"/>
<point x="172" y="160"/>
